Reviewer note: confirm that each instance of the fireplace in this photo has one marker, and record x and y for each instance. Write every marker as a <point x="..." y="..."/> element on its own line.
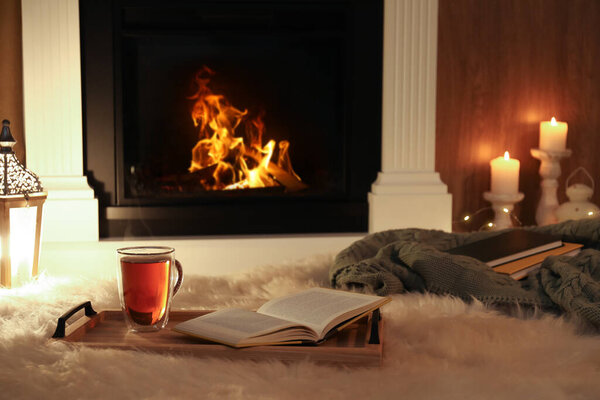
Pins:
<point x="231" y="117"/>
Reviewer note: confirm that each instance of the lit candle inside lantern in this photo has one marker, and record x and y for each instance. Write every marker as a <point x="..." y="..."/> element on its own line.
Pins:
<point x="553" y="135"/>
<point x="505" y="175"/>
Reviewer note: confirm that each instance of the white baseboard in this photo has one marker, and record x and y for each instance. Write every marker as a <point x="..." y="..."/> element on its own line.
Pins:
<point x="199" y="256"/>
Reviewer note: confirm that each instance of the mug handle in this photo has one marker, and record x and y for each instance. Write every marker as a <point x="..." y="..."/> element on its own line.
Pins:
<point x="179" y="277"/>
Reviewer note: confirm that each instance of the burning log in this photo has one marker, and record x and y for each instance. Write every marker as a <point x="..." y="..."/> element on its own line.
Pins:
<point x="289" y="181"/>
<point x="195" y="181"/>
<point x="286" y="179"/>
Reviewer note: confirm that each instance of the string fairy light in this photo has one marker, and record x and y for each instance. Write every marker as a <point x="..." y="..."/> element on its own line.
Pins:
<point x="469" y="218"/>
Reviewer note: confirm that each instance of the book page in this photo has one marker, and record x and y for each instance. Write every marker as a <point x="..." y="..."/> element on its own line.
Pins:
<point x="320" y="308"/>
<point x="233" y="326"/>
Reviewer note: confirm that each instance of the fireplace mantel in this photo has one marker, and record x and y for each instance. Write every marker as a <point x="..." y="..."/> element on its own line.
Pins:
<point x="53" y="120"/>
<point x="407" y="193"/>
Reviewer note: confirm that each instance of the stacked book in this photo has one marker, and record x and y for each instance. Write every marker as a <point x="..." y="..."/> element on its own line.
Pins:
<point x="517" y="253"/>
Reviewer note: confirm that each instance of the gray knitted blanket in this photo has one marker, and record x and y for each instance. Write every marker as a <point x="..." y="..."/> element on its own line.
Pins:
<point x="397" y="261"/>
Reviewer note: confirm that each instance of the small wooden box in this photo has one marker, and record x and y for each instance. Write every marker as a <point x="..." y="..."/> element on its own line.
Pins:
<point x="359" y="344"/>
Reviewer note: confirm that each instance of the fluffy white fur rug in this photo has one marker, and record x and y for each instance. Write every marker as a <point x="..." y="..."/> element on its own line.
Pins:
<point x="435" y="347"/>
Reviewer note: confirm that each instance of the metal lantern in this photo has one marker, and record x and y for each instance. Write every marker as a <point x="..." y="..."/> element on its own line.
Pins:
<point x="21" y="202"/>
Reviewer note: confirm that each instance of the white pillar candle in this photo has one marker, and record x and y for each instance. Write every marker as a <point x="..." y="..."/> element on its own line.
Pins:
<point x="553" y="135"/>
<point x="505" y="175"/>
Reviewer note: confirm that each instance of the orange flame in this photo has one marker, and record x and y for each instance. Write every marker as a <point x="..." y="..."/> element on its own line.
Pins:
<point x="226" y="161"/>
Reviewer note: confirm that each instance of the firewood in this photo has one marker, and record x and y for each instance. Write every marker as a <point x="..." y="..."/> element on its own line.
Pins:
<point x="289" y="181"/>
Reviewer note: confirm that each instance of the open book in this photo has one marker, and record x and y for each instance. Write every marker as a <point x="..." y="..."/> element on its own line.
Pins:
<point x="310" y="316"/>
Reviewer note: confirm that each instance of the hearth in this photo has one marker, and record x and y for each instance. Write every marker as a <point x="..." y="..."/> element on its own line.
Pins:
<point x="231" y="117"/>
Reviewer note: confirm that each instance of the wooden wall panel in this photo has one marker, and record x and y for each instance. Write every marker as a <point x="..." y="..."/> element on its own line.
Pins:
<point x="504" y="66"/>
<point x="11" y="71"/>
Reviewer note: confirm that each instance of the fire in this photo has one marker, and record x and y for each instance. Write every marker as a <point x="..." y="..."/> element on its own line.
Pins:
<point x="225" y="160"/>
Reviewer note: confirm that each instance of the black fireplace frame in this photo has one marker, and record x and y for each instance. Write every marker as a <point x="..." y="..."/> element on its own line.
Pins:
<point x="102" y="25"/>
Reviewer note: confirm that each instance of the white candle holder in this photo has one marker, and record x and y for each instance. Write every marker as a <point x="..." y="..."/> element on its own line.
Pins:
<point x="549" y="171"/>
<point x="503" y="204"/>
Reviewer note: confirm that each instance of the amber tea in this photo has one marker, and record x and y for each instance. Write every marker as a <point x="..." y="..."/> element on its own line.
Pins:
<point x="145" y="289"/>
<point x="146" y="285"/>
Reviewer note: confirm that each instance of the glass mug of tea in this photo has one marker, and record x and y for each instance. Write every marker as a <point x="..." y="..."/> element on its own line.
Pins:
<point x="147" y="283"/>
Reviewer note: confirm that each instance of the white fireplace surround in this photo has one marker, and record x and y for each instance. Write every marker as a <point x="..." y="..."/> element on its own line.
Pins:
<point x="407" y="192"/>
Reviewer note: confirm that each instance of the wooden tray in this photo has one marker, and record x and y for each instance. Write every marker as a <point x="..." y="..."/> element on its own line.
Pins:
<point x="359" y="344"/>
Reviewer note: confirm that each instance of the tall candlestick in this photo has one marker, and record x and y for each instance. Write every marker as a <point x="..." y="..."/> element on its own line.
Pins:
<point x="505" y="175"/>
<point x="549" y="171"/>
<point x="553" y="135"/>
